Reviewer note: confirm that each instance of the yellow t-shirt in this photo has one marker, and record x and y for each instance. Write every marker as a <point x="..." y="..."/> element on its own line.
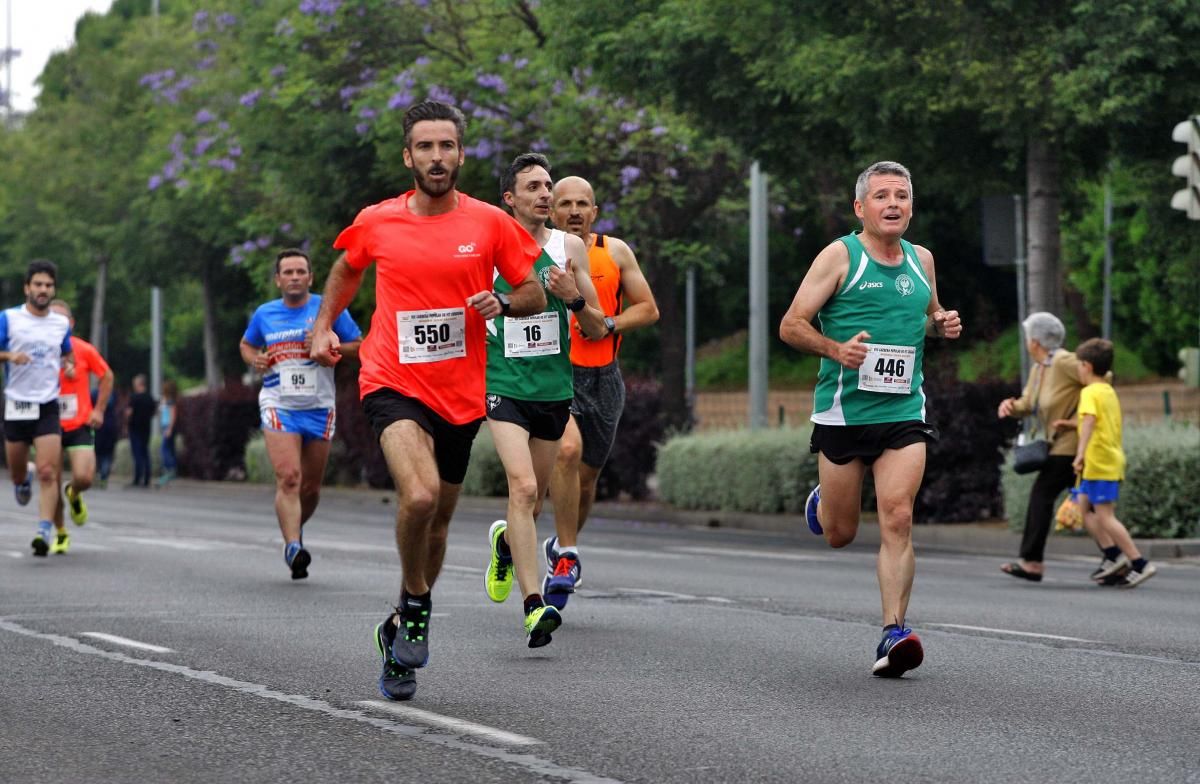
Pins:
<point x="1104" y="458"/>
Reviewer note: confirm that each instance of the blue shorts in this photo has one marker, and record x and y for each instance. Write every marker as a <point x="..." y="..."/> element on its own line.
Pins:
<point x="1100" y="491"/>
<point x="309" y="424"/>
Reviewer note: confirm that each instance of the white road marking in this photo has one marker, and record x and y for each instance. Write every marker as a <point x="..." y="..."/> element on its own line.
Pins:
<point x="461" y="569"/>
<point x="347" y="547"/>
<point x="668" y="594"/>
<point x="14" y="554"/>
<point x="750" y="553"/>
<point x="461" y="726"/>
<point x="115" y="640"/>
<point x="174" y="544"/>
<point x="1011" y="631"/>
<point x="522" y="759"/>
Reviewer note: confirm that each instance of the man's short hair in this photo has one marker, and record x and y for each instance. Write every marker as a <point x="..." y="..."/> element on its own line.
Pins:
<point x="433" y="110"/>
<point x="881" y="167"/>
<point x="288" y="253"/>
<point x="61" y="303"/>
<point x="1097" y="352"/>
<point x="41" y="265"/>
<point x="508" y="180"/>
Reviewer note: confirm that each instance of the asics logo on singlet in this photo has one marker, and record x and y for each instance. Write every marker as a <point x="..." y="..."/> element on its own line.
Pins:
<point x="870" y="284"/>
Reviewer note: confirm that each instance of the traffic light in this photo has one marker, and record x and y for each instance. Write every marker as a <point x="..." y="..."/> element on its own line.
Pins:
<point x="1188" y="167"/>
<point x="1189" y="371"/>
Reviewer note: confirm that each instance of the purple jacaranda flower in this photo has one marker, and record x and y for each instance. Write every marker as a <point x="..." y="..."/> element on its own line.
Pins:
<point x="504" y="58"/>
<point x="286" y="228"/>
<point x="485" y="148"/>
<point x="278" y="71"/>
<point x="154" y="182"/>
<point x="681" y="148"/>
<point x="630" y="127"/>
<point x="400" y="99"/>
<point x="558" y="87"/>
<point x="540" y="145"/>
<point x="320" y="7"/>
<point x="284" y="28"/>
<point x="171" y="169"/>
<point x="421" y="3"/>
<point x="304" y="246"/>
<point x="234" y="151"/>
<point x="235" y="256"/>
<point x="467" y="105"/>
<point x="422" y="61"/>
<point x="404" y="79"/>
<point x="223" y="163"/>
<point x="592" y="93"/>
<point x="207" y="63"/>
<point x="798" y="231"/>
<point x="250" y="98"/>
<point x="176" y="143"/>
<point x="492" y="82"/>
<point x="619" y="103"/>
<point x="671" y="172"/>
<point x="520" y="63"/>
<point x="207" y="45"/>
<point x="629" y="175"/>
<point x="367" y="75"/>
<point x="157" y="79"/>
<point x="778" y="209"/>
<point x="182" y="185"/>
<point x="346" y="93"/>
<point x="367" y="113"/>
<point x="200" y="21"/>
<point x="658" y="130"/>
<point x="485" y="113"/>
<point x="202" y="145"/>
<point x="203" y="116"/>
<point x="604" y="226"/>
<point x="225" y="21"/>
<point x="263" y="242"/>
<point x="249" y="246"/>
<point x="362" y="128"/>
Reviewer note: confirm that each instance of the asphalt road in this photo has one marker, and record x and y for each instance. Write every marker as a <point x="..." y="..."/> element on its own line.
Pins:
<point x="170" y="644"/>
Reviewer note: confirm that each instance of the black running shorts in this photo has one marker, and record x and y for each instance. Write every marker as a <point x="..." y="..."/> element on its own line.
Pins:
<point x="451" y="443"/>
<point x="45" y="424"/>
<point x="79" y="438"/>
<point x="844" y="443"/>
<point x="599" y="401"/>
<point x="543" y="420"/>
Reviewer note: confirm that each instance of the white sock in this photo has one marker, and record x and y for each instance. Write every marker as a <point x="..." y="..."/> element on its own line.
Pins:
<point x="573" y="550"/>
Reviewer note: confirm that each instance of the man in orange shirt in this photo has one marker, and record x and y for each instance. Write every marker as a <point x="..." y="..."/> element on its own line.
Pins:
<point x="628" y="303"/>
<point x="436" y="251"/>
<point x="79" y="418"/>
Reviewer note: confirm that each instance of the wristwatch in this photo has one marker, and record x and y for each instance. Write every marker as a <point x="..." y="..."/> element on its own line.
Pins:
<point x="577" y="304"/>
<point x="611" y="324"/>
<point x="505" y="303"/>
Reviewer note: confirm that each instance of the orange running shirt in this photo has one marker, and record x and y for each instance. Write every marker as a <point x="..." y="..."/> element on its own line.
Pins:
<point x="606" y="277"/>
<point x="75" y="397"/>
<point x="424" y="341"/>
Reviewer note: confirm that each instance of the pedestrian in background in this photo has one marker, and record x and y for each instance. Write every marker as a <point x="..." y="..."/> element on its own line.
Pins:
<point x="166" y="421"/>
<point x="106" y="438"/>
<point x="138" y="416"/>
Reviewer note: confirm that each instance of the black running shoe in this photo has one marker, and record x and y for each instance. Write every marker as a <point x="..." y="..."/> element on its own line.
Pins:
<point x="411" y="649"/>
<point x="396" y="682"/>
<point x="297" y="559"/>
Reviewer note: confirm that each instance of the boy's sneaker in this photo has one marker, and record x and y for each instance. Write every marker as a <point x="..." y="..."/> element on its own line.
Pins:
<point x="41" y="542"/>
<point x="61" y="543"/>
<point x="1134" y="578"/>
<point x="297" y="559"/>
<point x="24" y="491"/>
<point x="899" y="651"/>
<point x="411" y="649"/>
<point x="498" y="579"/>
<point x="810" y="511"/>
<point x="540" y="623"/>
<point x="1109" y="568"/>
<point x="75" y="505"/>
<point x="557" y="587"/>
<point x="396" y="682"/>
<point x="550" y="548"/>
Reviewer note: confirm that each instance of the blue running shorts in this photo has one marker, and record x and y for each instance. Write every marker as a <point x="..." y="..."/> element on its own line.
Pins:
<point x="309" y="424"/>
<point x="1100" y="491"/>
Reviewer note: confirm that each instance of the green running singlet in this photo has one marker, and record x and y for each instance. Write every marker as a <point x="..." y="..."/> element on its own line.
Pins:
<point x="890" y="303"/>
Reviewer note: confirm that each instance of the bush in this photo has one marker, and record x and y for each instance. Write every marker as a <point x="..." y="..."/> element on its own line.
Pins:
<point x="485" y="474"/>
<point x="635" y="450"/>
<point x="216" y="427"/>
<point x="354" y="456"/>
<point x="767" y="471"/>
<point x="1160" y="497"/>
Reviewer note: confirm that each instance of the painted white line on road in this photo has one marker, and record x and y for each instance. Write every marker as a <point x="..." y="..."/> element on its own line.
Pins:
<point x="667" y="594"/>
<point x="750" y="553"/>
<point x="1010" y="631"/>
<point x="174" y="544"/>
<point x="522" y="759"/>
<point x="449" y="722"/>
<point x="14" y="554"/>
<point x="717" y="599"/>
<point x="348" y="547"/>
<point x="461" y="569"/>
<point x="115" y="640"/>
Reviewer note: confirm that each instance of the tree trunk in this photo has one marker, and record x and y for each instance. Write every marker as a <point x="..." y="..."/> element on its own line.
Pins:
<point x="97" y="335"/>
<point x="212" y="369"/>
<point x="672" y="341"/>
<point x="1045" y="286"/>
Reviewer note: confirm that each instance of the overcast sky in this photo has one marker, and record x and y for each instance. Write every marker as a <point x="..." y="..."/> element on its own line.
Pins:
<point x="39" y="28"/>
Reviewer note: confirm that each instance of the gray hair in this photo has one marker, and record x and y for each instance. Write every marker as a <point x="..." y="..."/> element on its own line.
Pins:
<point x="1046" y="329"/>
<point x="881" y="167"/>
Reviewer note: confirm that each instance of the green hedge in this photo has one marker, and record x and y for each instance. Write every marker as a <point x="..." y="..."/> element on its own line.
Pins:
<point x="767" y="471"/>
<point x="1160" y="497"/>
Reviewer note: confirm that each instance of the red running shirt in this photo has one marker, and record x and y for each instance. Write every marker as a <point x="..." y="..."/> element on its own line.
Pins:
<point x="75" y="397"/>
<point x="424" y="341"/>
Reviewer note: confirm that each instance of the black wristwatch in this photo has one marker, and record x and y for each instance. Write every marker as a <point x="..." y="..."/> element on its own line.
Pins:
<point x="611" y="324"/>
<point x="577" y="304"/>
<point x="505" y="303"/>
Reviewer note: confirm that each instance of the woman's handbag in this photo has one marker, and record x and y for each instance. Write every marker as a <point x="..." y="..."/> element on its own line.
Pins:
<point x="1031" y="457"/>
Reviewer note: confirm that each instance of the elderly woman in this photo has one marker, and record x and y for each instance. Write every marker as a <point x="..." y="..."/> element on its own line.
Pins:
<point x="1052" y="394"/>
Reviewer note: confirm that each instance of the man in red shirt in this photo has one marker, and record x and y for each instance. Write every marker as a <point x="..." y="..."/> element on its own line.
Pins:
<point x="79" y="418"/>
<point x="436" y="252"/>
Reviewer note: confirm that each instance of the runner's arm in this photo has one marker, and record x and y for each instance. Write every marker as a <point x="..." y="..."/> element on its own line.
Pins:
<point x="253" y="355"/>
<point x="526" y="298"/>
<point x="591" y="318"/>
<point x="349" y="349"/>
<point x="822" y="281"/>
<point x="340" y="288"/>
<point x="96" y="418"/>
<point x="942" y="323"/>
<point x="640" y="308"/>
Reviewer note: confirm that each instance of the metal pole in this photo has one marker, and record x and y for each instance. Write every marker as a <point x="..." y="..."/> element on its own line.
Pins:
<point x="1106" y="326"/>
<point x="156" y="342"/>
<point x="758" y="297"/>
<point x="689" y="355"/>
<point x="8" y="57"/>
<point x="1022" y="307"/>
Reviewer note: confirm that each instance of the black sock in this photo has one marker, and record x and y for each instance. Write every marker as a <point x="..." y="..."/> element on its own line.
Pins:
<point x="502" y="547"/>
<point x="1139" y="564"/>
<point x="532" y="602"/>
<point x="890" y="626"/>
<point x="406" y="597"/>
<point x="1111" y="553"/>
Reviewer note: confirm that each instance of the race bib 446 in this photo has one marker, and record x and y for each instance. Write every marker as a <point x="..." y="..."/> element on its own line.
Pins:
<point x="887" y="369"/>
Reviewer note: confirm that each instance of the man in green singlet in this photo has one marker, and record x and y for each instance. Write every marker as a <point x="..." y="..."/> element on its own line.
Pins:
<point x="530" y="386"/>
<point x="874" y="296"/>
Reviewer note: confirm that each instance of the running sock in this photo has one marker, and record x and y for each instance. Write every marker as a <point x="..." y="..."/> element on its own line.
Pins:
<point x="502" y="546"/>
<point x="423" y="598"/>
<point x="890" y="626"/>
<point x="1111" y="553"/>
<point x="573" y="550"/>
<point x="1139" y="564"/>
<point x="532" y="602"/>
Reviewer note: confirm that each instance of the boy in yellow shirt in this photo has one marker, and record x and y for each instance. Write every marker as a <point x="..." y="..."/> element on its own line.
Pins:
<point x="1100" y="461"/>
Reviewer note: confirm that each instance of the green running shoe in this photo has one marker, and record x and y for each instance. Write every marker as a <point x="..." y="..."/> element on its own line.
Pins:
<point x="75" y="505"/>
<point x="540" y="623"/>
<point x="61" y="543"/>
<point x="499" y="577"/>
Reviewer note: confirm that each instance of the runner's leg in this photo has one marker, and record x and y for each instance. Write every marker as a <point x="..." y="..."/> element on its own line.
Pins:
<point x="283" y="450"/>
<point x="408" y="450"/>
<point x="513" y="446"/>
<point x="314" y="456"/>
<point x="841" y="499"/>
<point x="898" y="474"/>
<point x="83" y="467"/>
<point x="588" y="477"/>
<point x="564" y="485"/>
<point x="17" y="455"/>
<point x="439" y="531"/>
